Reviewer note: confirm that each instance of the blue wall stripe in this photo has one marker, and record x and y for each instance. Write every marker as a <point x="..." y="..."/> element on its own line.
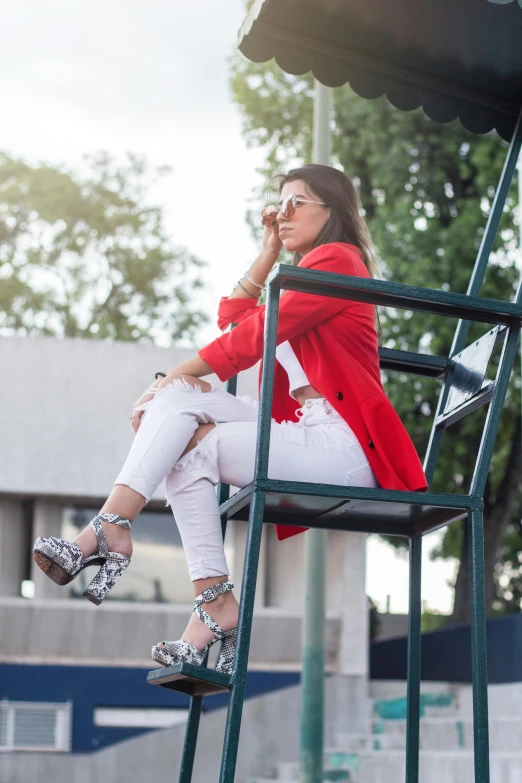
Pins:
<point x="446" y="654"/>
<point x="88" y="687"/>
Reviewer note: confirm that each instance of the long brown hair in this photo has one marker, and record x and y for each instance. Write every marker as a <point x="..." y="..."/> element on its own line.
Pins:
<point x="346" y="223"/>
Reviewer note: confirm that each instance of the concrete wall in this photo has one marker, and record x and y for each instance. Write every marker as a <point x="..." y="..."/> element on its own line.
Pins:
<point x="64" y="417"/>
<point x="15" y="532"/>
<point x="392" y="625"/>
<point x="55" y="631"/>
<point x="269" y="735"/>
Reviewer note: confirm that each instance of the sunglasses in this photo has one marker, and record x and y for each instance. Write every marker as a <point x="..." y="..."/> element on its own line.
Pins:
<point x="287" y="208"/>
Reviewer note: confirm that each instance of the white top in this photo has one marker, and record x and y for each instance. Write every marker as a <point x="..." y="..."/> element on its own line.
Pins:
<point x="286" y="357"/>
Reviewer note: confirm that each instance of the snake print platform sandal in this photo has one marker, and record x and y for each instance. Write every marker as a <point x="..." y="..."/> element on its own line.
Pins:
<point x="62" y="560"/>
<point x="180" y="651"/>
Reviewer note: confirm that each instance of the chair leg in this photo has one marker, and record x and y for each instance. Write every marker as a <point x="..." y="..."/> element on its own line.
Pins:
<point x="244" y="628"/>
<point x="414" y="662"/>
<point x="191" y="738"/>
<point x="479" y="646"/>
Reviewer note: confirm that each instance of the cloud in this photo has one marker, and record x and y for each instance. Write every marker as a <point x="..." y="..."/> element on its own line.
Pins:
<point x="149" y="77"/>
<point x="134" y="59"/>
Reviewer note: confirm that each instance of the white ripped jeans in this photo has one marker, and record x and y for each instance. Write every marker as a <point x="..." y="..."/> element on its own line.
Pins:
<point x="319" y="448"/>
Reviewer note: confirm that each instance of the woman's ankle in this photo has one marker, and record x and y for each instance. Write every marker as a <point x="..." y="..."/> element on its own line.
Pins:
<point x="118" y="539"/>
<point x="203" y="584"/>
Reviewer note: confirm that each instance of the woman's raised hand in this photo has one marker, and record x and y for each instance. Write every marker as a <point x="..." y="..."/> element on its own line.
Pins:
<point x="271" y="243"/>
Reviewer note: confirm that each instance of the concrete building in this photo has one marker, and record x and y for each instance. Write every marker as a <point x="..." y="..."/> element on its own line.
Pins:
<point x="72" y="675"/>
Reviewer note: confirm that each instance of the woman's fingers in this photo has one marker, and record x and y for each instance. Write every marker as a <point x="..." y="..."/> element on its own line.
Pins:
<point x="136" y="419"/>
<point x="145" y="397"/>
<point x="271" y="241"/>
<point x="269" y="216"/>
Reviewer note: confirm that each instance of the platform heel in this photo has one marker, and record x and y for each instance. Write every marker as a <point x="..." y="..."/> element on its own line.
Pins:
<point x="225" y="659"/>
<point x="170" y="653"/>
<point x="63" y="560"/>
<point x="106" y="577"/>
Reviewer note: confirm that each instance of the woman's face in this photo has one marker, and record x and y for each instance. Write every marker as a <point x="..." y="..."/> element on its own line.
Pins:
<point x="298" y="232"/>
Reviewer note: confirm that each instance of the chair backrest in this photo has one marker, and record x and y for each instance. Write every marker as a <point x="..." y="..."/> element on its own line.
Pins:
<point x="466" y="389"/>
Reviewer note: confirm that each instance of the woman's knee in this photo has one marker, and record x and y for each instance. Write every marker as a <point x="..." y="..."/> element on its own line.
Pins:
<point x="185" y="382"/>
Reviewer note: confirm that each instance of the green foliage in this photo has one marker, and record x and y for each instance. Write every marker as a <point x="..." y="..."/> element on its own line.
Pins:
<point x="433" y="621"/>
<point x="426" y="189"/>
<point x="508" y="571"/>
<point x="82" y="255"/>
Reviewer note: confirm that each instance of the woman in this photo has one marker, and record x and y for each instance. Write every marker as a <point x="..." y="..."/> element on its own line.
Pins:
<point x="332" y="422"/>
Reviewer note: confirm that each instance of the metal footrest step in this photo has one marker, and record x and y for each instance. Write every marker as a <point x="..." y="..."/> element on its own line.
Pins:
<point x="190" y="679"/>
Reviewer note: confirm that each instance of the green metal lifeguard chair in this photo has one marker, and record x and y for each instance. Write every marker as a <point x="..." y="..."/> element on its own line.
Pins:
<point x="457" y="59"/>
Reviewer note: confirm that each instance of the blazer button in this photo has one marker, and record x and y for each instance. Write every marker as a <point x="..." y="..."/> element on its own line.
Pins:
<point x="339" y="395"/>
<point x="371" y="444"/>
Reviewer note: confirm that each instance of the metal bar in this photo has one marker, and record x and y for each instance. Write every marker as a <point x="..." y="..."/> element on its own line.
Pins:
<point x="312" y="680"/>
<point x="479" y="647"/>
<point x="196" y="702"/>
<point x="519" y="166"/>
<point x="382" y="292"/>
<point x="414" y="662"/>
<point x="363" y="524"/>
<point x="462" y="330"/>
<point x="366" y="493"/>
<point x="435" y="440"/>
<point x="255" y="527"/>
<point x="414" y="363"/>
<point x="481" y="398"/>
<point x="191" y="739"/>
<point x="242" y="497"/>
<point x="313" y="654"/>
<point x="489" y="435"/>
<point x="488" y="238"/>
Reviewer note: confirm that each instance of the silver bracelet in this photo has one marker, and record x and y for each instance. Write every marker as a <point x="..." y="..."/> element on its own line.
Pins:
<point x="254" y="296"/>
<point x="250" y="280"/>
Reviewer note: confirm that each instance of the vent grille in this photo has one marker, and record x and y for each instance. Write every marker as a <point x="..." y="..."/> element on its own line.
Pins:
<point x="35" y="726"/>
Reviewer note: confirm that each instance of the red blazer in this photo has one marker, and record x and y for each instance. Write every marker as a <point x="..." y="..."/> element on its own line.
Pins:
<point x="335" y="342"/>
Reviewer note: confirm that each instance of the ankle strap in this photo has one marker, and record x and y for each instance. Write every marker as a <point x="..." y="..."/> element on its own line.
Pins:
<point x="114" y="519"/>
<point x="211" y="593"/>
<point x="208" y="595"/>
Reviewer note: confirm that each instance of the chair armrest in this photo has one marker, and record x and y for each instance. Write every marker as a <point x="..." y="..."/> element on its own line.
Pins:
<point x="406" y="297"/>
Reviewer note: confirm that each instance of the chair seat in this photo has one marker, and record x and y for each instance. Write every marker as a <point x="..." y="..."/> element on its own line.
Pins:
<point x="332" y="507"/>
<point x="193" y="680"/>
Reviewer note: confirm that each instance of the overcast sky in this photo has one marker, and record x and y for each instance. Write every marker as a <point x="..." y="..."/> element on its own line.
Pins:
<point x="149" y="77"/>
<point x="152" y="78"/>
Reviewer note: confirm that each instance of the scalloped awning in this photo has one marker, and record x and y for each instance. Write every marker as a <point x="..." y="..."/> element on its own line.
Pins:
<point x="455" y="58"/>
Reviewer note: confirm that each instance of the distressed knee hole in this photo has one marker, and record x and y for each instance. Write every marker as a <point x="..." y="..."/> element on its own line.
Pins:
<point x="180" y="383"/>
<point x="201" y="432"/>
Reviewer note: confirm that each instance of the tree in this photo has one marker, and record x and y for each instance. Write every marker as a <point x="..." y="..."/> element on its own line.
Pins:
<point x="426" y="190"/>
<point x="83" y="255"/>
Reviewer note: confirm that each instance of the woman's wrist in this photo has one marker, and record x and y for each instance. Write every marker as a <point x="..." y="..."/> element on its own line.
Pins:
<point x="252" y="283"/>
<point x="268" y="257"/>
<point x="195" y="366"/>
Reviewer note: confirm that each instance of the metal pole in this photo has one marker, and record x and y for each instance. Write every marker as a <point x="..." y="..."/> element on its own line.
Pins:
<point x="255" y="526"/>
<point x="520" y="251"/>
<point x="479" y="662"/>
<point x="196" y="702"/>
<point x="312" y="682"/>
<point x="414" y="662"/>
